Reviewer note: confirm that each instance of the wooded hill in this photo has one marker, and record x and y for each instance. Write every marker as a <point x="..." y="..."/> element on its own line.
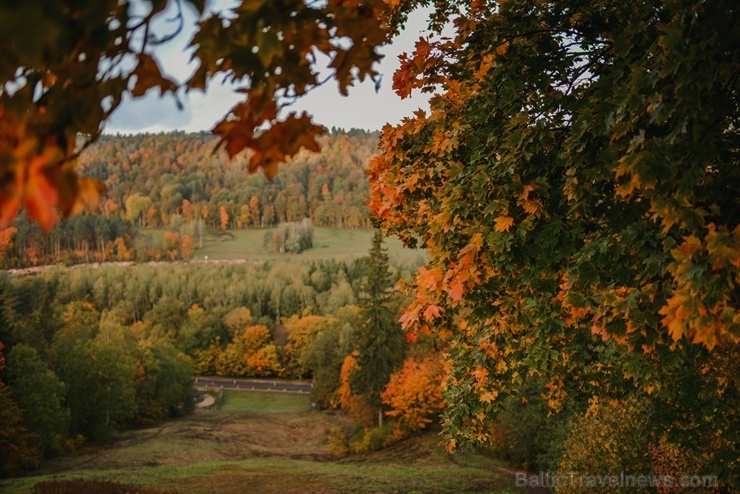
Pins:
<point x="151" y="178"/>
<point x="179" y="182"/>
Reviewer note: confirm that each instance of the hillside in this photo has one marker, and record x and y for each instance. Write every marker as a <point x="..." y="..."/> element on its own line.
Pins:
<point x="181" y="184"/>
<point x="265" y="452"/>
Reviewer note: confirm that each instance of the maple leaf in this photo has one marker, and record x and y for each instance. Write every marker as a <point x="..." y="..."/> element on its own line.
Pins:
<point x="148" y="76"/>
<point x="525" y="192"/>
<point x="531" y="207"/>
<point x="457" y="289"/>
<point x="89" y="192"/>
<point x="503" y="223"/>
<point x="432" y="312"/>
<point x="488" y="396"/>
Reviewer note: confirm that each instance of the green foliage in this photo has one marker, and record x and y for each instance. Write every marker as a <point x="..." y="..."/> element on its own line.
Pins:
<point x="379" y="339"/>
<point x="323" y="358"/>
<point x="16" y="442"/>
<point x="372" y="439"/>
<point x="610" y="439"/>
<point x="576" y="183"/>
<point x="41" y="396"/>
<point x="165" y="389"/>
<point x="527" y="433"/>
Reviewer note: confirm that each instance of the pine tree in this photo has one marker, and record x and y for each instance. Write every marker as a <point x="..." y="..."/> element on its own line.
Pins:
<point x="380" y="341"/>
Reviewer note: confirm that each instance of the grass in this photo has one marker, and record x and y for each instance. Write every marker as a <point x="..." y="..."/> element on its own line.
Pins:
<point x="286" y="476"/>
<point x="265" y="401"/>
<point x="329" y="243"/>
<point x="253" y="449"/>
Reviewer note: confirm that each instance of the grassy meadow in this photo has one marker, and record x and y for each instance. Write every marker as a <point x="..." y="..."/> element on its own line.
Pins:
<point x="265" y="401"/>
<point x="329" y="243"/>
<point x="267" y="443"/>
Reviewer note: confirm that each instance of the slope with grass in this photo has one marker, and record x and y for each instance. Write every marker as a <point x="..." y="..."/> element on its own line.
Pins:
<point x="264" y="443"/>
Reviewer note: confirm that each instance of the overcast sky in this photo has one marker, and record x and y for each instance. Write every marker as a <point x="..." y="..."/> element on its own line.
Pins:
<point x="363" y="108"/>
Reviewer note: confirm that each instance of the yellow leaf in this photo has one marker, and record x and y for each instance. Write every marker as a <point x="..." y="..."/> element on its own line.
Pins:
<point x="503" y="223"/>
<point x="526" y="191"/>
<point x="488" y="396"/>
<point x="531" y="207"/>
<point x="89" y="191"/>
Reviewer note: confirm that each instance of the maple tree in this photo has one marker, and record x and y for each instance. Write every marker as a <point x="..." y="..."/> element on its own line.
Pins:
<point x="576" y="183"/>
<point x="67" y="66"/>
<point x="575" y="179"/>
<point x="414" y="394"/>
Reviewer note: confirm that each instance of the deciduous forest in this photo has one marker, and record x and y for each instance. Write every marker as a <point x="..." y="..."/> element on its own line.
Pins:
<point x="574" y="183"/>
<point x="176" y="183"/>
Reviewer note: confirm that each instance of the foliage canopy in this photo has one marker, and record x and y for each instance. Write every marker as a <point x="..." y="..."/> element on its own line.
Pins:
<point x="66" y="66"/>
<point x="575" y="180"/>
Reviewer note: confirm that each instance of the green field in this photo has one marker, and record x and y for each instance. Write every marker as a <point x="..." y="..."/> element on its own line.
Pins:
<point x="329" y="243"/>
<point x="265" y="401"/>
<point x="264" y="452"/>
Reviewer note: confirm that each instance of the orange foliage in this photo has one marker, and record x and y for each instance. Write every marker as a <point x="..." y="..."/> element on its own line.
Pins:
<point x="223" y="217"/>
<point x="187" y="247"/>
<point x="6" y="240"/>
<point x="356" y="406"/>
<point x="255" y="337"/>
<point x="122" y="253"/>
<point x="414" y="393"/>
<point x="171" y="244"/>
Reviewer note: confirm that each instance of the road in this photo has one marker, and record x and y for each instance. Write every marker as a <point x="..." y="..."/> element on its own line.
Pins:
<point x="206" y="382"/>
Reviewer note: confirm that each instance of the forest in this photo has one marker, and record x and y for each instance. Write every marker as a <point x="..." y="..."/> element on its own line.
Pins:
<point x="574" y="183"/>
<point x="176" y="182"/>
<point x="93" y="350"/>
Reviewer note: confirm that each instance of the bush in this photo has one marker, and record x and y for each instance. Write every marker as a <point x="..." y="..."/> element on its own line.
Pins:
<point x="610" y="439"/>
<point x="527" y="434"/>
<point x="373" y="439"/>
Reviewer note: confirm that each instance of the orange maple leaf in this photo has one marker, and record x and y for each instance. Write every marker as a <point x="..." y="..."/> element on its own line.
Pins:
<point x="503" y="223"/>
<point x="432" y="312"/>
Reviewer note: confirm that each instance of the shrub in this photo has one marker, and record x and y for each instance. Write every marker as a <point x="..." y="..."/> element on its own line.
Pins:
<point x="373" y="439"/>
<point x="527" y="433"/>
<point x="611" y="438"/>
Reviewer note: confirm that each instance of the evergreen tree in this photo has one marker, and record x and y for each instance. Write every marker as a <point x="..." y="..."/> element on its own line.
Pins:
<point x="380" y="341"/>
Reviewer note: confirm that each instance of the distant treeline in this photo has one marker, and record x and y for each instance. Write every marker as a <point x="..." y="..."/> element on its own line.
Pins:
<point x="175" y="181"/>
<point x="153" y="177"/>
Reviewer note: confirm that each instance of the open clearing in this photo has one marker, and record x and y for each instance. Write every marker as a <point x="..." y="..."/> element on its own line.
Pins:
<point x="329" y="244"/>
<point x="267" y="451"/>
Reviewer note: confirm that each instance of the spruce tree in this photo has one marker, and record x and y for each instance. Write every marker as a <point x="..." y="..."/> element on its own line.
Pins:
<point x="380" y="341"/>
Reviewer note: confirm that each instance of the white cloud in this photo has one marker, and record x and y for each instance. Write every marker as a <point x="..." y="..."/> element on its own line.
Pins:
<point x="362" y="108"/>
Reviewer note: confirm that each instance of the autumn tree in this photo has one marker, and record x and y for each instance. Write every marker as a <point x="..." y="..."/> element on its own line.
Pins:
<point x="6" y="241"/>
<point x="187" y="247"/>
<point x="414" y="394"/>
<point x="75" y="72"/>
<point x="575" y="182"/>
<point x="223" y="216"/>
<point x="575" y="179"/>
<point x="379" y="339"/>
